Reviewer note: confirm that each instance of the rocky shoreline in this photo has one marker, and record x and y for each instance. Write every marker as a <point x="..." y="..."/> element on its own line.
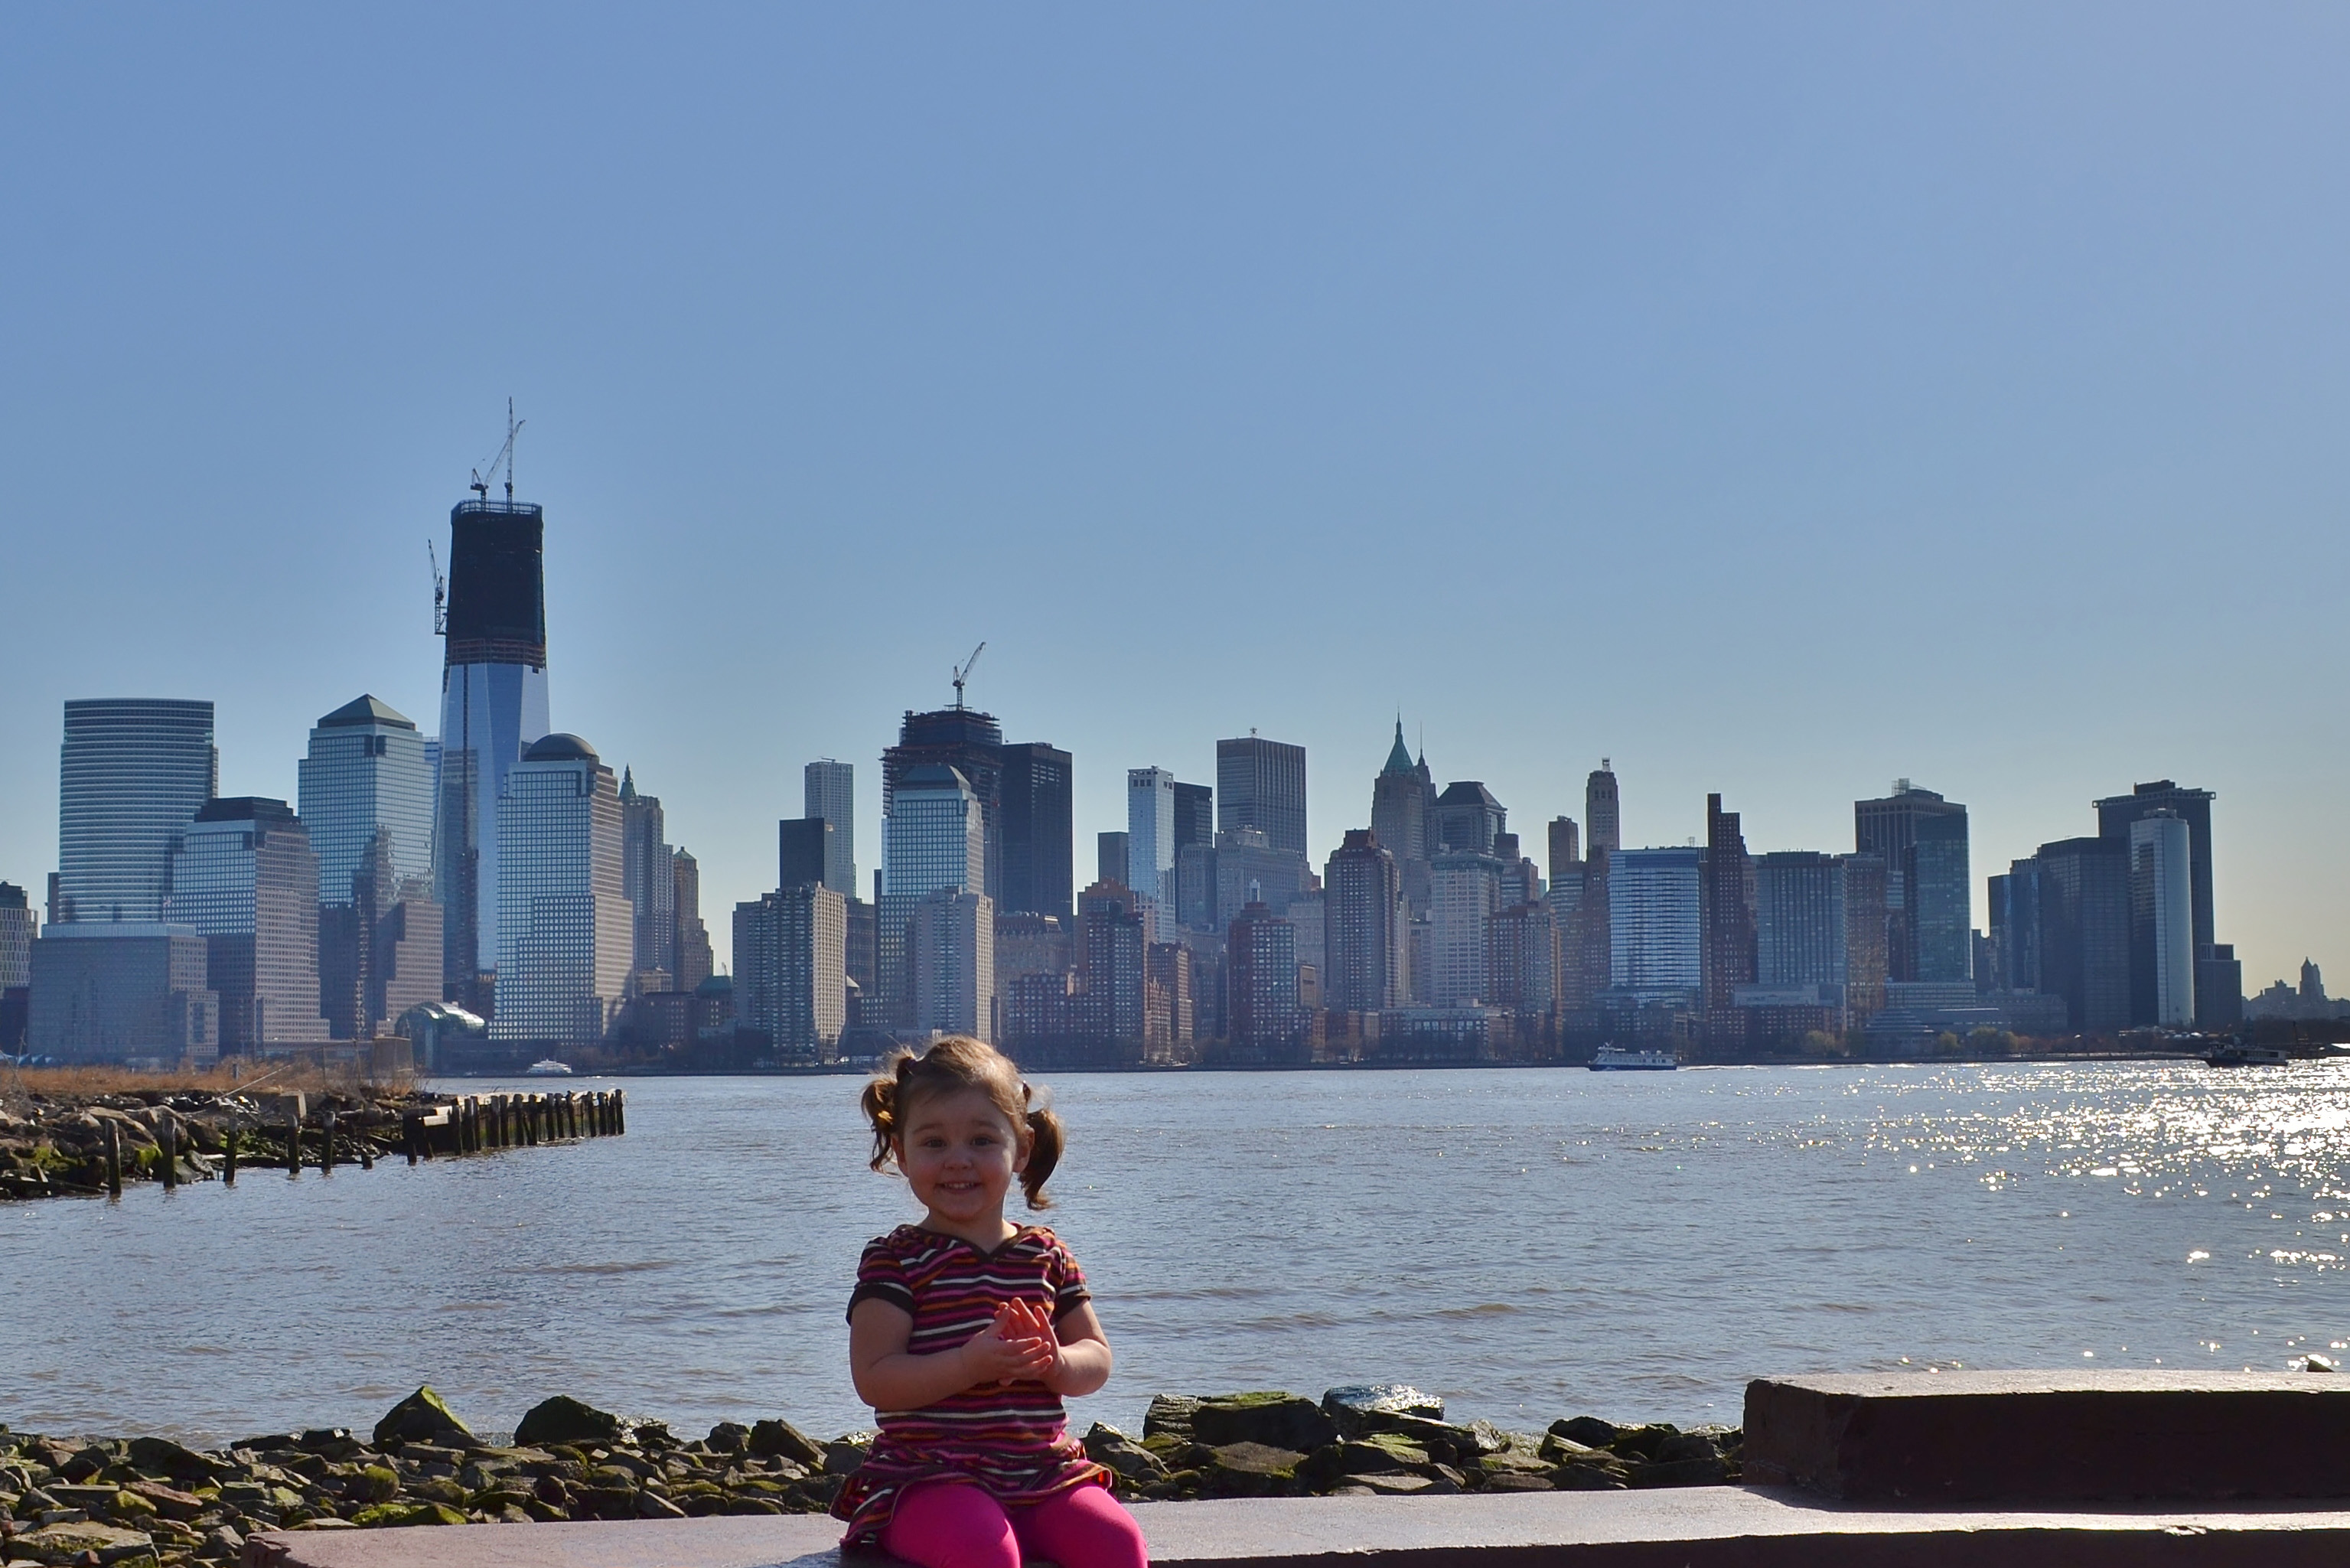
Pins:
<point x="146" y="1502"/>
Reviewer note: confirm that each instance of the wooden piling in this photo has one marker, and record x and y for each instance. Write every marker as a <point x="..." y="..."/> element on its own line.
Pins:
<point x="113" y="1159"/>
<point x="292" y="1144"/>
<point x="367" y="1149"/>
<point x="228" y="1157"/>
<point x="326" y="1142"/>
<point x="619" y="1112"/>
<point x="167" y="1142"/>
<point x="530" y="1120"/>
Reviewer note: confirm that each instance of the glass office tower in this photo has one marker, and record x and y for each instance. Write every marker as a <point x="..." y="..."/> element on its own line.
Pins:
<point x="132" y="774"/>
<point x="367" y="770"/>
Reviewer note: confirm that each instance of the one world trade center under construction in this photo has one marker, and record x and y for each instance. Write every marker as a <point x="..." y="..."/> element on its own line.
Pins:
<point x="493" y="705"/>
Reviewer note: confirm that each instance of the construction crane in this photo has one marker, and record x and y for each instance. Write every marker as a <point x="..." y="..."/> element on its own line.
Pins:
<point x="440" y="592"/>
<point x="480" y="487"/>
<point x="962" y="671"/>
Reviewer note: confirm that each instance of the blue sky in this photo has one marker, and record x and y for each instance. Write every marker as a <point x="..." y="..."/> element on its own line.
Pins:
<point x="1774" y="400"/>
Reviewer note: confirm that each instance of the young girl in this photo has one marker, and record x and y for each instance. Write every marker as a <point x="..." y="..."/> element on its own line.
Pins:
<point x="964" y="1332"/>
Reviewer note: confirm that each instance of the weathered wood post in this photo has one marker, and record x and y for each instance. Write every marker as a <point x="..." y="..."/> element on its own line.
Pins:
<point x="228" y="1157"/>
<point x="113" y="1159"/>
<point x="619" y="1112"/>
<point x="530" y="1120"/>
<point x="408" y="1130"/>
<point x="293" y="1141"/>
<point x="367" y="1146"/>
<point x="327" y="1142"/>
<point x="167" y="1143"/>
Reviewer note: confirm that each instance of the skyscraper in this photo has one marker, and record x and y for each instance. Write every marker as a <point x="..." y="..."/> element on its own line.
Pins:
<point x="1261" y="784"/>
<point x="1265" y="1018"/>
<point x="791" y="982"/>
<point x="1465" y="894"/>
<point x="366" y="773"/>
<point x="950" y="961"/>
<point x="1801" y="934"/>
<point x="2084" y="920"/>
<point x="803" y="851"/>
<point x="695" y="962"/>
<point x="130" y="774"/>
<point x="2115" y="814"/>
<point x="1602" y="821"/>
<point x="1150" y="841"/>
<point x="1566" y="850"/>
<point x="829" y="790"/>
<point x="1109" y="858"/>
<point x="1364" y="915"/>
<point x="1729" y="914"/>
<point x="242" y="877"/>
<point x="1655" y="936"/>
<point x="1468" y="819"/>
<point x="19" y="926"/>
<point x="933" y="836"/>
<point x="2162" y="917"/>
<point x="1928" y="889"/>
<point x="1195" y="816"/>
<point x="566" y="925"/>
<point x="1402" y="805"/>
<point x="492" y="706"/>
<point x="1039" y="831"/>
<point x="649" y="880"/>
<point x="972" y="743"/>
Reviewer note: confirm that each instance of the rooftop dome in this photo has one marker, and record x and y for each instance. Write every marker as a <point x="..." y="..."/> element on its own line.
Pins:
<point x="559" y="748"/>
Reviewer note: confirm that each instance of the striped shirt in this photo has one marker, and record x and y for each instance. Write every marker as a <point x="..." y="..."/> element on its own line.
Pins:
<point x="1012" y="1439"/>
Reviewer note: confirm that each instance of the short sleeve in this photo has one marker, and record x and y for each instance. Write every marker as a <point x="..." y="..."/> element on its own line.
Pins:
<point x="1067" y="1280"/>
<point x="882" y="1276"/>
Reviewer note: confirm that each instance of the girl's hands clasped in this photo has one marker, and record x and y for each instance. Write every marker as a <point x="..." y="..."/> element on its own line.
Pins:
<point x="1020" y="1346"/>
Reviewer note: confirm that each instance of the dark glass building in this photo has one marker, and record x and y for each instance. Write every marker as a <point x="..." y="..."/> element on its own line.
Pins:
<point x="2084" y="922"/>
<point x="972" y="743"/>
<point x="804" y="851"/>
<point x="1261" y="784"/>
<point x="1039" y="831"/>
<point x="1928" y="893"/>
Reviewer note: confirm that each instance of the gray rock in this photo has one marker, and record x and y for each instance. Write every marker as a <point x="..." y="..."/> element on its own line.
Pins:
<point x="1356" y="1406"/>
<point x="781" y="1439"/>
<point x="1589" y="1430"/>
<point x="1268" y="1418"/>
<point x="1105" y="1445"/>
<point x="563" y="1420"/>
<point x="727" y="1438"/>
<point x="159" y="1455"/>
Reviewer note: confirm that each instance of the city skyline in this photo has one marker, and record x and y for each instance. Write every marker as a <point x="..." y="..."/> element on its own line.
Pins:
<point x="1941" y="373"/>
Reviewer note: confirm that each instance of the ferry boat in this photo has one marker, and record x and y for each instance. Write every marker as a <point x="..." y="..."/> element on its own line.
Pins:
<point x="550" y="1069"/>
<point x="1616" y="1059"/>
<point x="2238" y="1053"/>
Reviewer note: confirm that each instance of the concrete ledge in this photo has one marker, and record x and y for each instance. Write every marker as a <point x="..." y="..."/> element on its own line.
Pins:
<point x="2040" y="1437"/>
<point x="1696" y="1527"/>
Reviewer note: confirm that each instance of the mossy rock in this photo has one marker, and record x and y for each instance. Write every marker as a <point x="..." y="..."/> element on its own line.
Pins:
<point x="376" y="1483"/>
<point x="1252" y="1469"/>
<point x="424" y="1418"/>
<point x="1268" y="1418"/>
<point x="400" y="1515"/>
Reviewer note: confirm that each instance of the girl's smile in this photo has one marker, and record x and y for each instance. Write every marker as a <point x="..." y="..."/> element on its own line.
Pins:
<point x="961" y="1155"/>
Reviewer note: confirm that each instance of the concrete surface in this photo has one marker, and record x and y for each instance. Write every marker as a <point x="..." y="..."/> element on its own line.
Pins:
<point x="1695" y="1527"/>
<point x="2045" y="1436"/>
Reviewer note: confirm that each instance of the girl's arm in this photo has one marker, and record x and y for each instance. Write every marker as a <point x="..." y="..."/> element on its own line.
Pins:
<point x="1083" y="1364"/>
<point x="889" y="1378"/>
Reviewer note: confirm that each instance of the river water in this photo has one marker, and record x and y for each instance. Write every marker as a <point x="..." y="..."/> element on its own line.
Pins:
<point x="1527" y="1243"/>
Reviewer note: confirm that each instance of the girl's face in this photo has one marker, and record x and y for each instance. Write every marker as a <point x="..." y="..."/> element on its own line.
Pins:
<point x="960" y="1154"/>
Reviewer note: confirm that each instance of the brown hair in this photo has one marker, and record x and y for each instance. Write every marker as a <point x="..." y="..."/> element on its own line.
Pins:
<point x="954" y="1063"/>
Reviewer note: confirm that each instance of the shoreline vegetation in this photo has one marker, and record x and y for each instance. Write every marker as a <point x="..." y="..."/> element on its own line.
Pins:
<point x="85" y="1132"/>
<point x="147" y="1502"/>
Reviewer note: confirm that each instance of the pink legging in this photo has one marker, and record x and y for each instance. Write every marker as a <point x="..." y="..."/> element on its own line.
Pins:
<point x="951" y="1524"/>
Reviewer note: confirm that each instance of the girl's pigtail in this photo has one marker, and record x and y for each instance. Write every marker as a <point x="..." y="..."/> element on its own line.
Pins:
<point x="884" y="1097"/>
<point x="1046" y="1138"/>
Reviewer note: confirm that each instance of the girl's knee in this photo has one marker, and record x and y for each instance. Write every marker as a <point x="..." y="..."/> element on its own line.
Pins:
<point x="951" y="1526"/>
<point x="1084" y="1527"/>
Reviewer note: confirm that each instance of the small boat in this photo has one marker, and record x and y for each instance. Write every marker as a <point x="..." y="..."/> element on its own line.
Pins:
<point x="2236" y="1054"/>
<point x="1616" y="1059"/>
<point x="550" y="1069"/>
